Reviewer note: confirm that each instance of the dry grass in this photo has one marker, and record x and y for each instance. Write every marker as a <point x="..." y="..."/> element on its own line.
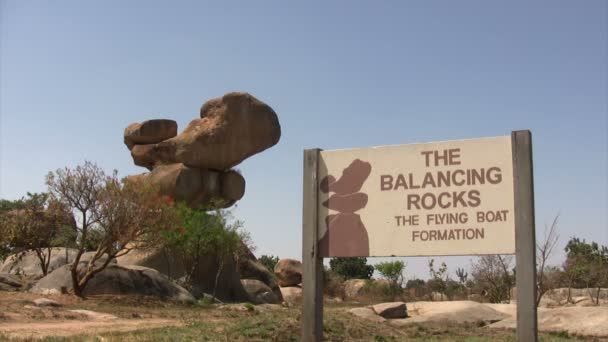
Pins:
<point x="209" y="323"/>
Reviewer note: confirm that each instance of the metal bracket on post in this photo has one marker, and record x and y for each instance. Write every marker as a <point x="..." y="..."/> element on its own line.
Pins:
<point x="312" y="264"/>
<point x="525" y="237"/>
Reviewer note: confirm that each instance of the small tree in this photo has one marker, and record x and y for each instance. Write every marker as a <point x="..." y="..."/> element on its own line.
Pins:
<point x="114" y="217"/>
<point x="352" y="268"/>
<point x="586" y="266"/>
<point x="393" y="272"/>
<point x="544" y="250"/>
<point x="439" y="278"/>
<point x="269" y="261"/>
<point x="492" y="277"/>
<point x="34" y="226"/>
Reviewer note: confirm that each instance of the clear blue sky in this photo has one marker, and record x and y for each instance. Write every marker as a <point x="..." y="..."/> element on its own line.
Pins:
<point x="74" y="74"/>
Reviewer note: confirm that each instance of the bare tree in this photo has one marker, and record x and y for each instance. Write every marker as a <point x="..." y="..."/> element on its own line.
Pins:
<point x="491" y="276"/>
<point x="544" y="250"/>
<point x="113" y="216"/>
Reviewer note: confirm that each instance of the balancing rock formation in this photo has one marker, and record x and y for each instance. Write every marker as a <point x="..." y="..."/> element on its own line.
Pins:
<point x="195" y="166"/>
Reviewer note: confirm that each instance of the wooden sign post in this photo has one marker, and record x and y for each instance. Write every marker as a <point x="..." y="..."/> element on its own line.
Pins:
<point x="464" y="197"/>
<point x="525" y="236"/>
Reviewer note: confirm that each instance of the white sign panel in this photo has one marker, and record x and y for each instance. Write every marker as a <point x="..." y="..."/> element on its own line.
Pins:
<point x="442" y="198"/>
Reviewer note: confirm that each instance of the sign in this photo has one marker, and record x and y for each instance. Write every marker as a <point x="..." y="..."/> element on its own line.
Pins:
<point x="442" y="198"/>
<point x="460" y="197"/>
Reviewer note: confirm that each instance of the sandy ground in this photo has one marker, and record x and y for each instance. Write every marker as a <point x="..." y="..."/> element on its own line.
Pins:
<point x="70" y="328"/>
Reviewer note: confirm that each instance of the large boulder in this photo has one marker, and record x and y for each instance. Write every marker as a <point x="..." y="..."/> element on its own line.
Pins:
<point x="259" y="293"/>
<point x="169" y="263"/>
<point x="117" y="280"/>
<point x="231" y="129"/>
<point x="149" y="132"/>
<point x="288" y="272"/>
<point x="10" y="282"/>
<point x="250" y="268"/>
<point x="27" y="263"/>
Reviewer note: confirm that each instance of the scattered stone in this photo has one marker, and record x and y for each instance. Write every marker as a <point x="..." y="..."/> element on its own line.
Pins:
<point x="391" y="310"/>
<point x="366" y="313"/>
<point x="45" y="302"/>
<point x="289" y="272"/>
<point x="292" y="294"/>
<point x="259" y="293"/>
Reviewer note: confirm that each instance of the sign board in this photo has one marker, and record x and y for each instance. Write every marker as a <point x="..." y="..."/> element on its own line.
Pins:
<point x="461" y="197"/>
<point x="442" y="198"/>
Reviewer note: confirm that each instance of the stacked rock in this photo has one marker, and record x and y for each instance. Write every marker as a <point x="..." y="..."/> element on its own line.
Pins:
<point x="195" y="166"/>
<point x="346" y="234"/>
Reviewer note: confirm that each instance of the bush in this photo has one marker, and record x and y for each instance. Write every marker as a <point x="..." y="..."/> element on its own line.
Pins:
<point x="351" y="268"/>
<point x="269" y="261"/>
<point x="333" y="284"/>
<point x="205" y="233"/>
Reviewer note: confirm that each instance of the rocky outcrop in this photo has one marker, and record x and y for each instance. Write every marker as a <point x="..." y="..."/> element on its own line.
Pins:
<point x="117" y="280"/>
<point x="167" y="262"/>
<point x="288" y="272"/>
<point x="250" y="268"/>
<point x="27" y="263"/>
<point x="10" y="282"/>
<point x="195" y="166"/>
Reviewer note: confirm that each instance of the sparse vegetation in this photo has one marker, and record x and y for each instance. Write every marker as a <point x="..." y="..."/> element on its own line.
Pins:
<point x="393" y="272"/>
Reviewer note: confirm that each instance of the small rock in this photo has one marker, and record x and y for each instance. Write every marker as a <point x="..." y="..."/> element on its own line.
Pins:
<point x="366" y="313"/>
<point x="292" y="294"/>
<point x="45" y="302"/>
<point x="391" y="310"/>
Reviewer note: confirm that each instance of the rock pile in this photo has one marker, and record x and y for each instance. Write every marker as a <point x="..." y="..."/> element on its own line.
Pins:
<point x="195" y="166"/>
<point x="289" y="275"/>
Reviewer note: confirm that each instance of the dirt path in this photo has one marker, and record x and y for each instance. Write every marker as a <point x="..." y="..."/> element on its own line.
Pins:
<point x="69" y="328"/>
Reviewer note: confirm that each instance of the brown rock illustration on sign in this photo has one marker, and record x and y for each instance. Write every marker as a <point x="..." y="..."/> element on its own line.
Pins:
<point x="346" y="235"/>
